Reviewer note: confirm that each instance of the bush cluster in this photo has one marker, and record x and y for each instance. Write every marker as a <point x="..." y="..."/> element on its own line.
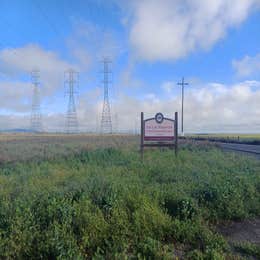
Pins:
<point x="106" y="203"/>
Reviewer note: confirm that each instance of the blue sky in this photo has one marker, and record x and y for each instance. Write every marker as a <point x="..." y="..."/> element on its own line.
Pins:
<point x="152" y="45"/>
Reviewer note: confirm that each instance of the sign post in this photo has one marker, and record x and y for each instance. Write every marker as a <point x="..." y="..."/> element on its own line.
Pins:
<point x="176" y="132"/>
<point x="142" y="135"/>
<point x="159" y="131"/>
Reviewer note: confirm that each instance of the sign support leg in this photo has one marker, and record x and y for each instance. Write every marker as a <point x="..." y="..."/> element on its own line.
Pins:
<point x="176" y="133"/>
<point x="142" y="137"/>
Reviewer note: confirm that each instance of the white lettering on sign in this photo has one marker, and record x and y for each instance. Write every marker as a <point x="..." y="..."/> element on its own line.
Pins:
<point x="154" y="131"/>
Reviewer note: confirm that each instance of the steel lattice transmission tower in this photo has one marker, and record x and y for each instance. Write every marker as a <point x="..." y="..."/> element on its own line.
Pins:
<point x="71" y="79"/>
<point x="106" y="122"/>
<point x="36" y="116"/>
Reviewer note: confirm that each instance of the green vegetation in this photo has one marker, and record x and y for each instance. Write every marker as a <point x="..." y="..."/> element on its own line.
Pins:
<point x="27" y="147"/>
<point x="106" y="202"/>
<point x="234" y="136"/>
<point x="248" y="249"/>
<point x="230" y="138"/>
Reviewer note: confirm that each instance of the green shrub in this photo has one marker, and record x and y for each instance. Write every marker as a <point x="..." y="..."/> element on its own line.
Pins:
<point x="183" y="208"/>
<point x="106" y="203"/>
<point x="248" y="249"/>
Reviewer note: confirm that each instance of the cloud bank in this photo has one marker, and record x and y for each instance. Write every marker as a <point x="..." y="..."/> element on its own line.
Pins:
<point x="17" y="64"/>
<point x="171" y="29"/>
<point x="248" y="66"/>
<point x="159" y="30"/>
<point x="210" y="107"/>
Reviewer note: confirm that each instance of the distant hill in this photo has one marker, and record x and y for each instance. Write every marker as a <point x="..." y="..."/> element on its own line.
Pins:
<point x="16" y="130"/>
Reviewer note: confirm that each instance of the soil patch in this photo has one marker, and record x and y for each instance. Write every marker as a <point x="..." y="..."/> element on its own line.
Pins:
<point x="242" y="231"/>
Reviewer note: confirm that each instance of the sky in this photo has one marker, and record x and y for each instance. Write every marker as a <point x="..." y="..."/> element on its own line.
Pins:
<point x="152" y="44"/>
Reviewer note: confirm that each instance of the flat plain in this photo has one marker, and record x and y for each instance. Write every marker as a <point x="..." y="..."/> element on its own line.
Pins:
<point x="229" y="137"/>
<point x="24" y="147"/>
<point x="89" y="196"/>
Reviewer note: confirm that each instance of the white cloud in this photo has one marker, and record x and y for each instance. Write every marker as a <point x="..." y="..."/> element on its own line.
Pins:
<point x="208" y="107"/>
<point x="168" y="86"/>
<point x="127" y="77"/>
<point x="15" y="96"/>
<point x="86" y="46"/>
<point x="211" y="107"/>
<point x="248" y="66"/>
<point x="234" y="108"/>
<point x="89" y="43"/>
<point x="19" y="62"/>
<point x="171" y="29"/>
<point x="14" y="122"/>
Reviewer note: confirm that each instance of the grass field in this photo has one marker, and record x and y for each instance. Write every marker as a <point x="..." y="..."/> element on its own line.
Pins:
<point x="98" y="200"/>
<point x="223" y="135"/>
<point x="237" y="138"/>
<point x="24" y="147"/>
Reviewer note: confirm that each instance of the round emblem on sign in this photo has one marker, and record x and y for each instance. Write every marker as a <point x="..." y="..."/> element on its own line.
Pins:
<point x="159" y="118"/>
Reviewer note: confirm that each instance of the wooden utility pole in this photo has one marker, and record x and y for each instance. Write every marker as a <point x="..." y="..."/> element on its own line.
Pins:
<point x="182" y="83"/>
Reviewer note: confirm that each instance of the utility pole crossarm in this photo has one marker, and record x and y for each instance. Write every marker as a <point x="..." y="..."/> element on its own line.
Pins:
<point x="183" y="83"/>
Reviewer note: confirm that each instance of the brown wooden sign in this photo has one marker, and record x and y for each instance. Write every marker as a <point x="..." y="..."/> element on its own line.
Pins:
<point x="159" y="132"/>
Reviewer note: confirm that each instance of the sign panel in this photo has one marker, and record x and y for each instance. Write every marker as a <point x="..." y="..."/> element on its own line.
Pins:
<point x="158" y="129"/>
<point x="159" y="132"/>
